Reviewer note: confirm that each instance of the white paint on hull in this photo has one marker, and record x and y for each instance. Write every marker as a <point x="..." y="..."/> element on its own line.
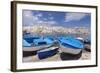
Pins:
<point x="70" y="50"/>
<point x="35" y="48"/>
<point x="48" y="49"/>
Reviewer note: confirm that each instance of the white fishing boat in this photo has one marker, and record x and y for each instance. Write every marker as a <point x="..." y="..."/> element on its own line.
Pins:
<point x="70" y="45"/>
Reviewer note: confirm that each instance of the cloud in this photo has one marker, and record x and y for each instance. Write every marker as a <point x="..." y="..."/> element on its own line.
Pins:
<point x="45" y="19"/>
<point x="51" y="18"/>
<point x="52" y="22"/>
<point x="27" y="13"/>
<point x="47" y="22"/>
<point x="39" y="15"/>
<point x="50" y="14"/>
<point x="74" y="16"/>
<point x="29" y="18"/>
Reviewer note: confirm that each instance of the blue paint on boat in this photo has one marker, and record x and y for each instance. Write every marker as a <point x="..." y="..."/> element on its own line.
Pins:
<point x="43" y="41"/>
<point x="39" y="42"/>
<point x="71" y="42"/>
<point x="30" y="39"/>
<point x="47" y="53"/>
<point x="48" y="40"/>
<point x="27" y="37"/>
<point x="26" y="44"/>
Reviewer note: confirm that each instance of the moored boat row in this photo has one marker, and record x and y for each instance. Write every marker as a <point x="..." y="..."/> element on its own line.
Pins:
<point x="44" y="46"/>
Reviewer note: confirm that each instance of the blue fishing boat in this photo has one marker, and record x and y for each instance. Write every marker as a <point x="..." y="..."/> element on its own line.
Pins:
<point x="43" y="41"/>
<point x="45" y="53"/>
<point x="30" y="39"/>
<point x="70" y="45"/>
<point x="37" y="43"/>
<point x="25" y="43"/>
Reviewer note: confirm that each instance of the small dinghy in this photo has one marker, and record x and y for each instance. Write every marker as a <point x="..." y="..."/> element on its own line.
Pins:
<point x="37" y="43"/>
<point x="42" y="54"/>
<point x="70" y="45"/>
